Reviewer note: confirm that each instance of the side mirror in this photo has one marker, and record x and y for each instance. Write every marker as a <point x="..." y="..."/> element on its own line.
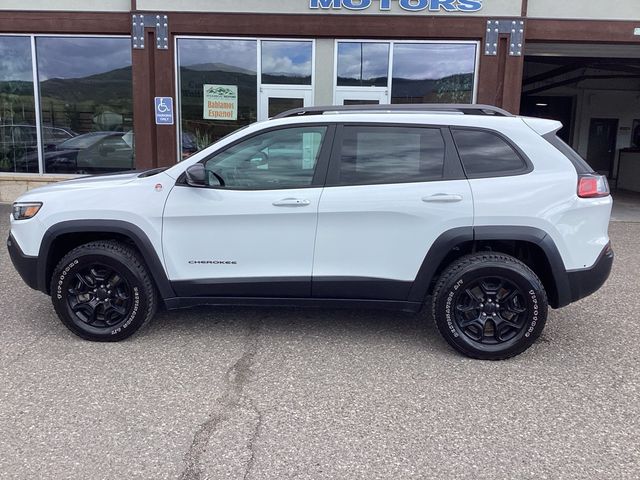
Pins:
<point x="196" y="176"/>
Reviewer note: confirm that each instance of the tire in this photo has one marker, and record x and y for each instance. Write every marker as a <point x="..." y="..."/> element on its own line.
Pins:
<point x="489" y="306"/>
<point x="102" y="291"/>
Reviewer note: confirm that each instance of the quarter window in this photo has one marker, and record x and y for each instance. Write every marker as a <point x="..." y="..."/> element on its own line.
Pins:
<point x="378" y="155"/>
<point x="273" y="160"/>
<point x="486" y="154"/>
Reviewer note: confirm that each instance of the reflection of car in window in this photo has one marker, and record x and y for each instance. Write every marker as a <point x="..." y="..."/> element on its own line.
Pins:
<point x="94" y="152"/>
<point x="19" y="144"/>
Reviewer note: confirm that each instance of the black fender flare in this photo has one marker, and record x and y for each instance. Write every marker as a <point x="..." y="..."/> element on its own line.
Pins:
<point x="450" y="239"/>
<point x="135" y="233"/>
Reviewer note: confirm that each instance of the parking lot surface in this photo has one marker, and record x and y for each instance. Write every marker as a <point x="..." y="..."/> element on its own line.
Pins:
<point x="243" y="393"/>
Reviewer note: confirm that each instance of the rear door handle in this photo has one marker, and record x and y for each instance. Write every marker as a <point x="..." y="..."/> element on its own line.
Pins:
<point x="292" y="202"/>
<point x="442" y="198"/>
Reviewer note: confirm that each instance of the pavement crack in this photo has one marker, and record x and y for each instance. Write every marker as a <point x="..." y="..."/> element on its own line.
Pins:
<point x="253" y="441"/>
<point x="235" y="380"/>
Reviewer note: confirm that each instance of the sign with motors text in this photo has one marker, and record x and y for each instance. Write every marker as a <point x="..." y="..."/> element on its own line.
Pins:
<point x="164" y="111"/>
<point x="408" y="5"/>
<point x="220" y="102"/>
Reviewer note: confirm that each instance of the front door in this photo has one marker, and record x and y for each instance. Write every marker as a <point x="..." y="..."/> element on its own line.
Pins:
<point x="251" y="233"/>
<point x="601" y="152"/>
<point x="275" y="100"/>
<point x="362" y="96"/>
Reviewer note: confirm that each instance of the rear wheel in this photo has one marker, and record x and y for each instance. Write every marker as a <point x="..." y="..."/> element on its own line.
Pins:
<point x="102" y="291"/>
<point x="490" y="306"/>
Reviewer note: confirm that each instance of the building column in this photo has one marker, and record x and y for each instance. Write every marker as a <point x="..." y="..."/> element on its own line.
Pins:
<point x="500" y="77"/>
<point x="153" y="76"/>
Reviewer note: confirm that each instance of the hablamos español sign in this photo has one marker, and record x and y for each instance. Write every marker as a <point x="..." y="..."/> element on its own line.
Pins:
<point x="409" y="5"/>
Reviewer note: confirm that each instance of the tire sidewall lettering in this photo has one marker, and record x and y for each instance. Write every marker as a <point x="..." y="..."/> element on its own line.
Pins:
<point x="63" y="276"/>
<point x="448" y="308"/>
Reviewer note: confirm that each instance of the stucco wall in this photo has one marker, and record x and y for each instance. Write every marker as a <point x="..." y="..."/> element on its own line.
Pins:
<point x="586" y="9"/>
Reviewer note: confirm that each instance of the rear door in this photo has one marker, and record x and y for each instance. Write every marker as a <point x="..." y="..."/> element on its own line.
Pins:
<point x="391" y="192"/>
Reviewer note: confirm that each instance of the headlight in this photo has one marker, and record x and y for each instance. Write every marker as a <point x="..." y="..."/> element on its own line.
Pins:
<point x="24" y="211"/>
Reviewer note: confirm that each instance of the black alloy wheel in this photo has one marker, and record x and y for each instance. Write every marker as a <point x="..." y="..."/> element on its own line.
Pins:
<point x="489" y="306"/>
<point x="99" y="296"/>
<point x="491" y="311"/>
<point x="103" y="292"/>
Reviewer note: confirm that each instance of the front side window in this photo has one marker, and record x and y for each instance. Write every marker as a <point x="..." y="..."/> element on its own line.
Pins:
<point x="486" y="154"/>
<point x="378" y="155"/>
<point x="86" y="98"/>
<point x="277" y="159"/>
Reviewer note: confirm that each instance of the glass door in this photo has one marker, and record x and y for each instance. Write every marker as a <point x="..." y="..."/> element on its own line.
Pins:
<point x="361" y="96"/>
<point x="275" y="100"/>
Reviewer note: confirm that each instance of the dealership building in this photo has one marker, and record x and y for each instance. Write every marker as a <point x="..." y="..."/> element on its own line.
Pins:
<point x="115" y="85"/>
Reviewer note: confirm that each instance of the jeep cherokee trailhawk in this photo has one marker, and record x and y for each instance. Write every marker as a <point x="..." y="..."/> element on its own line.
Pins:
<point x="489" y="215"/>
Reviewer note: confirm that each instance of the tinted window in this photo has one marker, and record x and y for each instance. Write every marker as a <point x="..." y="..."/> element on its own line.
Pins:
<point x="207" y="65"/>
<point x="86" y="90"/>
<point x="433" y="73"/>
<point x="18" y="148"/>
<point x="286" y="62"/>
<point x="272" y="160"/>
<point x="486" y="154"/>
<point x="374" y="155"/>
<point x="363" y="64"/>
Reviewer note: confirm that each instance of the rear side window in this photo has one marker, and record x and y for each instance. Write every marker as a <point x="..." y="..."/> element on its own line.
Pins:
<point x="390" y="154"/>
<point x="579" y="163"/>
<point x="485" y="154"/>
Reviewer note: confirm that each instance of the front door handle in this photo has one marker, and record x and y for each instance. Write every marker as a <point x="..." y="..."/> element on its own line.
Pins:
<point x="292" y="202"/>
<point x="442" y="198"/>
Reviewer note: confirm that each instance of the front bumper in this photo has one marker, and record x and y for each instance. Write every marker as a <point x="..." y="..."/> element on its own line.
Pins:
<point x="26" y="266"/>
<point x="585" y="282"/>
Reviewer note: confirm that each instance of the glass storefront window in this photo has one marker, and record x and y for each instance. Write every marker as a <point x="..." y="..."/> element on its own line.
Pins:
<point x="18" y="136"/>
<point x="363" y="64"/>
<point x="227" y="67"/>
<point x="86" y="103"/>
<point x="433" y="73"/>
<point x="286" y="63"/>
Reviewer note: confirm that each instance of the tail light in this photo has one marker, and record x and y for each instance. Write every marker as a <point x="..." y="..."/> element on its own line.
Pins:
<point x="593" y="186"/>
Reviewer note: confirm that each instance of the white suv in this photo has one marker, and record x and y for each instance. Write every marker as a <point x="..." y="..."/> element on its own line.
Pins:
<point x="369" y="206"/>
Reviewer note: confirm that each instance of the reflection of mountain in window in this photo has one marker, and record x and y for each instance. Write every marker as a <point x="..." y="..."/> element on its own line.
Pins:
<point x="433" y="73"/>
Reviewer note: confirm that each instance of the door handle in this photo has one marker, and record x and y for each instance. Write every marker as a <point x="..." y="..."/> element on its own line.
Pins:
<point x="292" y="202"/>
<point x="442" y="198"/>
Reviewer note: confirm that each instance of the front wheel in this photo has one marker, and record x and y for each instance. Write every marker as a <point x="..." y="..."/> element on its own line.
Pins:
<point x="102" y="291"/>
<point x="490" y="306"/>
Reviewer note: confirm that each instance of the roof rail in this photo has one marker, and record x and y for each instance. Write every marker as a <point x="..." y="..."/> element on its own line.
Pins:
<point x="398" y="108"/>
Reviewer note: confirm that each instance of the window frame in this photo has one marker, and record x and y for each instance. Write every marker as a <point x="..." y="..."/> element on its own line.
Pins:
<point x="320" y="171"/>
<point x="258" y="39"/>
<point x="388" y="89"/>
<point x="527" y="164"/>
<point x="452" y="166"/>
<point x="37" y="100"/>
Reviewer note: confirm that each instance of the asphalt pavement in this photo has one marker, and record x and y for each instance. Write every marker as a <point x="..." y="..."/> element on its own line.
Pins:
<point x="244" y="393"/>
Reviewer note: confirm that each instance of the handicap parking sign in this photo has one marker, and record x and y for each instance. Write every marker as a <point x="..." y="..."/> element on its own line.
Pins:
<point x="164" y="111"/>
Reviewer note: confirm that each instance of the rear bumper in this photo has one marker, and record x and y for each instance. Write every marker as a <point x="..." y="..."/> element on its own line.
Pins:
<point x="583" y="283"/>
<point x="26" y="266"/>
